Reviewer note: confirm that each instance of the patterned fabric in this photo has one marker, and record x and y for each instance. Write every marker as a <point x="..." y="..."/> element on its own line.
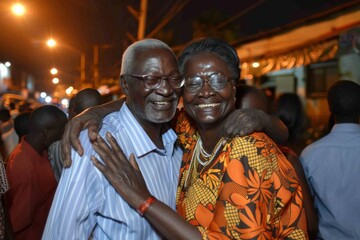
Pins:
<point x="3" y="188"/>
<point x="250" y="191"/>
<point x="85" y="201"/>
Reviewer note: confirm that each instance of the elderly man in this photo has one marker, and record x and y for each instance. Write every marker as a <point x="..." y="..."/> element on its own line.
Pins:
<point x="85" y="203"/>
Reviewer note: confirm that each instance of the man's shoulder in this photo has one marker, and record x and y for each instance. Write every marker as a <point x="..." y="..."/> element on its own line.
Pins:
<point x="20" y="152"/>
<point x="316" y="148"/>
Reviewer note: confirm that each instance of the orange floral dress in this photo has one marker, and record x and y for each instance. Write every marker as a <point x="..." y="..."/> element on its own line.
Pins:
<point x="250" y="191"/>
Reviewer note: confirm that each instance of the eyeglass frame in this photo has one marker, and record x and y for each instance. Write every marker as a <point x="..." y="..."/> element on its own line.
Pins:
<point x="205" y="78"/>
<point x="159" y="83"/>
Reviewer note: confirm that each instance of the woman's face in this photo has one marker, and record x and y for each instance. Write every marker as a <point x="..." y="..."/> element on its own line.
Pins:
<point x="208" y="105"/>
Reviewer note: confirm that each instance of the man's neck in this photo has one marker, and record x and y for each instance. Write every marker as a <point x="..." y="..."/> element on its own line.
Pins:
<point x="155" y="134"/>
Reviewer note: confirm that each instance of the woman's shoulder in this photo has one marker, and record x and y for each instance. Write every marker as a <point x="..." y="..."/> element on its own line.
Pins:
<point x="252" y="139"/>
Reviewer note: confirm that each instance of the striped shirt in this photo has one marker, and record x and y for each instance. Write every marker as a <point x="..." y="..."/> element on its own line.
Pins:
<point x="85" y="203"/>
<point x="55" y="158"/>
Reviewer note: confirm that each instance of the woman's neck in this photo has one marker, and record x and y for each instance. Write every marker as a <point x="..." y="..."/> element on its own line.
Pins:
<point x="210" y="137"/>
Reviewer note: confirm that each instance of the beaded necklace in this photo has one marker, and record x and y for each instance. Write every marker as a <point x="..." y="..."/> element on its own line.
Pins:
<point x="195" y="160"/>
<point x="206" y="156"/>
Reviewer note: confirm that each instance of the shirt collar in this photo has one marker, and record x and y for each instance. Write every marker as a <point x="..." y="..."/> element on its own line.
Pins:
<point x="346" y="127"/>
<point x="139" y="139"/>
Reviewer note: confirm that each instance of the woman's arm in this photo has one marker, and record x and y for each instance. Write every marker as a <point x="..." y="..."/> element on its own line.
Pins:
<point x="90" y="119"/>
<point x="126" y="178"/>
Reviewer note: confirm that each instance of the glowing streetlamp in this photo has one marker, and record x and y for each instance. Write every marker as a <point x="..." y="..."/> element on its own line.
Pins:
<point x="52" y="43"/>
<point x="53" y="71"/>
<point x="18" y="9"/>
<point x="55" y="80"/>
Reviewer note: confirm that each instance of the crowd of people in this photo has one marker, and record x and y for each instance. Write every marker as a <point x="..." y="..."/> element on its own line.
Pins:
<point x="31" y="164"/>
<point x="229" y="164"/>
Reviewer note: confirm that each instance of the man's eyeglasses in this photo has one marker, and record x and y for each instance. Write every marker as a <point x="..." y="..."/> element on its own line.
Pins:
<point x="154" y="82"/>
<point x="217" y="81"/>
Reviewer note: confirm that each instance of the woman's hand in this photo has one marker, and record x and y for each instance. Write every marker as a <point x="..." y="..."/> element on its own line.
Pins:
<point x="123" y="174"/>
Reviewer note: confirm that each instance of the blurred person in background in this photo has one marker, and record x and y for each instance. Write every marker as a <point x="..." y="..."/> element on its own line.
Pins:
<point x="8" y="135"/>
<point x="332" y="166"/>
<point x="22" y="123"/>
<point x="86" y="98"/>
<point x="31" y="179"/>
<point x="289" y="108"/>
<point x="70" y="111"/>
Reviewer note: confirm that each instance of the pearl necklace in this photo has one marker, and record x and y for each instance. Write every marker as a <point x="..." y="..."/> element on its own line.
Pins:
<point x="206" y="156"/>
<point x="195" y="160"/>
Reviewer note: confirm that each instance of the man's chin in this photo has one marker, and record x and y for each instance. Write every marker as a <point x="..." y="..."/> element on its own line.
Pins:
<point x="160" y="119"/>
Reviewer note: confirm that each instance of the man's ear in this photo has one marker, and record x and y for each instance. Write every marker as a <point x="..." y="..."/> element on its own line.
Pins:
<point x="45" y="134"/>
<point x="124" y="86"/>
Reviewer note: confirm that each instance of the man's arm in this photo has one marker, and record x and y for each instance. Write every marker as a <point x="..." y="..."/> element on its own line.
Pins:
<point x="90" y="119"/>
<point x="248" y="120"/>
<point x="241" y="122"/>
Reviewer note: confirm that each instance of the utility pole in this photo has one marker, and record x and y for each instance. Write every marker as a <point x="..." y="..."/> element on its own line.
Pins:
<point x="82" y="70"/>
<point x="96" y="66"/>
<point x="141" y="17"/>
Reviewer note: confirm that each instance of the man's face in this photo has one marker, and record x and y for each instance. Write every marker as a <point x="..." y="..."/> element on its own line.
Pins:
<point x="152" y="105"/>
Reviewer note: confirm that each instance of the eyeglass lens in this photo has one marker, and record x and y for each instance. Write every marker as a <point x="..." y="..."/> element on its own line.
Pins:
<point x="216" y="81"/>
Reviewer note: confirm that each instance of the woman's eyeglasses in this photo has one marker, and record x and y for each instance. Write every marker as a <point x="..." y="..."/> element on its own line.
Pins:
<point x="217" y="81"/>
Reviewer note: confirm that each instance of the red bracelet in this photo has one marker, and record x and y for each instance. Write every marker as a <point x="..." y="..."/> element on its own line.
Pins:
<point x="145" y="205"/>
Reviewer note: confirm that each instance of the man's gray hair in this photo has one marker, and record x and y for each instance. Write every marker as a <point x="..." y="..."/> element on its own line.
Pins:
<point x="134" y="51"/>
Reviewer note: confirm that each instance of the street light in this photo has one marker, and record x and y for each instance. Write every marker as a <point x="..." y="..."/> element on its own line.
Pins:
<point x="18" y="9"/>
<point x="53" y="71"/>
<point x="53" y="43"/>
<point x="55" y="80"/>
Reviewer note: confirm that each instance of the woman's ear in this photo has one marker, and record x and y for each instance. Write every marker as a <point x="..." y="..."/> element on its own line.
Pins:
<point x="234" y="89"/>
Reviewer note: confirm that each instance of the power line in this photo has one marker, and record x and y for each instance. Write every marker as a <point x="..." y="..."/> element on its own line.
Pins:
<point x="177" y="7"/>
<point x="236" y="16"/>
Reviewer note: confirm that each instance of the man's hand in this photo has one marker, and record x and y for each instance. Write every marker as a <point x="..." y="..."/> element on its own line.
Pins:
<point x="90" y="119"/>
<point x="245" y="121"/>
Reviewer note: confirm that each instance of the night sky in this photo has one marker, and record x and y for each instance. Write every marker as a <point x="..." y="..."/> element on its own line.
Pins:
<point x="80" y="24"/>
